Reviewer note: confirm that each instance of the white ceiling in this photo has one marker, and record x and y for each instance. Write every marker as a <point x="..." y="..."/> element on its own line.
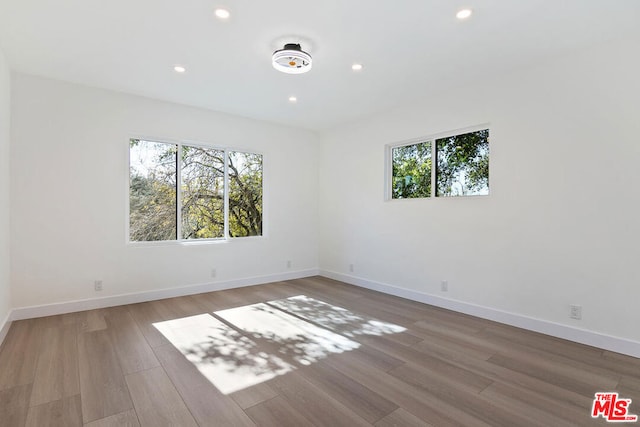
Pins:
<point x="409" y="48"/>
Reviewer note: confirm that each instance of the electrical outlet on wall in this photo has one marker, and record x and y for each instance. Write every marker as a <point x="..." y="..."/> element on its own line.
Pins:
<point x="444" y="286"/>
<point x="575" y="312"/>
<point x="351" y="269"/>
<point x="97" y="285"/>
<point x="288" y="263"/>
<point x="214" y="272"/>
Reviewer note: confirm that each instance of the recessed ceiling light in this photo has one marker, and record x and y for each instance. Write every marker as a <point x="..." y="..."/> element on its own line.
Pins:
<point x="356" y="67"/>
<point x="179" y="69"/>
<point x="222" y="13"/>
<point x="463" y="13"/>
<point x="293" y="99"/>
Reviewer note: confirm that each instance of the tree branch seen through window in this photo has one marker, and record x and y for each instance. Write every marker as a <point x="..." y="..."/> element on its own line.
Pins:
<point x="154" y="197"/>
<point x="461" y="167"/>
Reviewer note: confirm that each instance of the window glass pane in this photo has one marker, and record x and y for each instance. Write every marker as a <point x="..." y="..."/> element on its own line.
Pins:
<point x="202" y="193"/>
<point x="463" y="164"/>
<point x="152" y="191"/>
<point x="245" y="194"/>
<point x="411" y="174"/>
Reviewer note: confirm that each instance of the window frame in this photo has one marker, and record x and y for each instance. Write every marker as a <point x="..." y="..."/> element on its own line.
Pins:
<point x="388" y="162"/>
<point x="179" y="240"/>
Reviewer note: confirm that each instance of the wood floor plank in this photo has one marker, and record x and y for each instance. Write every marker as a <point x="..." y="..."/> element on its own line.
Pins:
<point x="66" y="412"/>
<point x="145" y="315"/>
<point x="588" y="367"/>
<point x="630" y="382"/>
<point x="45" y="322"/>
<point x="277" y="412"/>
<point x="253" y="395"/>
<point x="230" y="298"/>
<point x="621" y="359"/>
<point x="508" y="376"/>
<point x="377" y="359"/>
<point x="461" y="320"/>
<point x="404" y="338"/>
<point x="209" y="302"/>
<point x="454" y="338"/>
<point x="14" y="405"/>
<point x="460" y="395"/>
<point x="555" y="375"/>
<point x="102" y="386"/>
<point x="436" y="366"/>
<point x="423" y="404"/>
<point x="443" y="326"/>
<point x="401" y="418"/>
<point x="179" y="307"/>
<point x="629" y="391"/>
<point x="57" y="369"/>
<point x="460" y="379"/>
<point x="376" y="311"/>
<point x="317" y="406"/>
<point x="538" y="406"/>
<point x="134" y="353"/>
<point x="373" y="305"/>
<point x="19" y="355"/>
<point x="156" y="400"/>
<point x="364" y="402"/>
<point x="576" y="351"/>
<point x="274" y="291"/>
<point x="123" y="419"/>
<point x="208" y="405"/>
<point x="451" y="348"/>
<point x="91" y="320"/>
<point x="69" y="318"/>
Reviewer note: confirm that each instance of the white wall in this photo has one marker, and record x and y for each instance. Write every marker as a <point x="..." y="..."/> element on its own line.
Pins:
<point x="561" y="224"/>
<point x="5" y="119"/>
<point x="69" y="190"/>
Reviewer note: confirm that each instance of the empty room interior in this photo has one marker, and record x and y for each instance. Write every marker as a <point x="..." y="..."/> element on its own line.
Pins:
<point x="285" y="213"/>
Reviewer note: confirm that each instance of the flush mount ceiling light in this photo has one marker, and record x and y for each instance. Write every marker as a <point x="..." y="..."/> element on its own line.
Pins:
<point x="291" y="60"/>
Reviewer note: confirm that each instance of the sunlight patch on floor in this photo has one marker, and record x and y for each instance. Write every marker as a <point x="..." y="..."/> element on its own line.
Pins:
<point x="229" y="360"/>
<point x="336" y="318"/>
<point x="295" y="339"/>
<point x="244" y="346"/>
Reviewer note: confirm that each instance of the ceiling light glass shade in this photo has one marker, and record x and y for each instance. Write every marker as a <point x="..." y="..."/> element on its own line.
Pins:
<point x="291" y="60"/>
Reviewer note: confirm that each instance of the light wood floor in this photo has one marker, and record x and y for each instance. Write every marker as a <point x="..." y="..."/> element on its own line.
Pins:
<point x="340" y="356"/>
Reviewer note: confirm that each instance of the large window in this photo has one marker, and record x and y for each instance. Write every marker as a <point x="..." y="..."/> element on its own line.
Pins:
<point x="186" y="192"/>
<point x="460" y="168"/>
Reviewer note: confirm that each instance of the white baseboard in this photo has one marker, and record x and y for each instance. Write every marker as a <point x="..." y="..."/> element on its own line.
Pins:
<point x="4" y="326"/>
<point x="583" y="336"/>
<point x="115" y="300"/>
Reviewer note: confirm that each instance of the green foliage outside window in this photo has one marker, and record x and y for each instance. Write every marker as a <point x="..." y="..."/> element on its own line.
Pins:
<point x="463" y="164"/>
<point x="202" y="193"/>
<point x="462" y="167"/>
<point x="245" y="194"/>
<point x="411" y="175"/>
<point x="152" y="191"/>
<point x="154" y="199"/>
